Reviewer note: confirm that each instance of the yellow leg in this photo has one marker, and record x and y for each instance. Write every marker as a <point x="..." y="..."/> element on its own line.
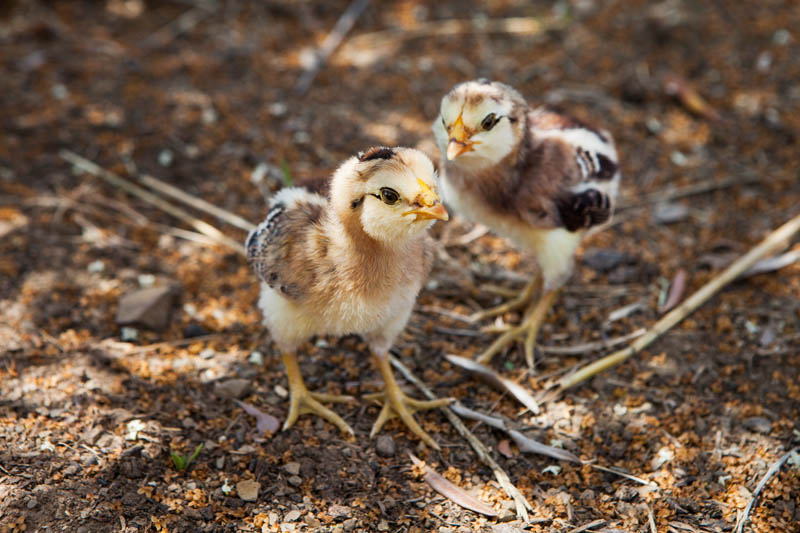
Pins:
<point x="521" y="299"/>
<point x="529" y="327"/>
<point x="302" y="401"/>
<point x="397" y="404"/>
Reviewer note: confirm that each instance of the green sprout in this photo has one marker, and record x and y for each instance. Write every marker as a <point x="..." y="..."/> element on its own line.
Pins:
<point x="288" y="180"/>
<point x="182" y="462"/>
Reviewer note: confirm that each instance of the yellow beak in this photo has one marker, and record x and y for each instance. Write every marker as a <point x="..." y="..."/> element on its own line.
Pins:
<point x="432" y="208"/>
<point x="459" y="140"/>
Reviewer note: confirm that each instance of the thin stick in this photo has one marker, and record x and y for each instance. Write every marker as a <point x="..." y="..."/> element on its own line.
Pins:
<point x="651" y="520"/>
<point x="197" y="203"/>
<point x="591" y="525"/>
<point x="623" y="474"/>
<point x="480" y="450"/>
<point x="776" y="240"/>
<point x="330" y="44"/>
<point x="773" y="469"/>
<point x="440" y="28"/>
<point x="131" y="188"/>
<point x="666" y="195"/>
<point x="591" y="346"/>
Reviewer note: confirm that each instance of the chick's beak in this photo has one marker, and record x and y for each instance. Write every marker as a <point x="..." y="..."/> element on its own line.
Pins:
<point x="431" y="206"/>
<point x="459" y="140"/>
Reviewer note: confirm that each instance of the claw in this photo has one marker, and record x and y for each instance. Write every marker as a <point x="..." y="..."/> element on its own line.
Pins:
<point x="302" y="401"/>
<point x="397" y="404"/>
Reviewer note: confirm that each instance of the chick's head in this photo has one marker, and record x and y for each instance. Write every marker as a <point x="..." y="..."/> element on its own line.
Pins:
<point x="392" y="191"/>
<point x="480" y="122"/>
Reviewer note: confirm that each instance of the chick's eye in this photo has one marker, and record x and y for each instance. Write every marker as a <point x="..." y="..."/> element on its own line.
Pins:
<point x="389" y="196"/>
<point x="489" y="121"/>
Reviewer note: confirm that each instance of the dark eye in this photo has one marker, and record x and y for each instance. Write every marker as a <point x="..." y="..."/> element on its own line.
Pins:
<point x="389" y="196"/>
<point x="489" y="121"/>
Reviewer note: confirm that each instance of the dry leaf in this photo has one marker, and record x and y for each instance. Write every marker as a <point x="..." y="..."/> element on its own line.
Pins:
<point x="504" y="447"/>
<point x="490" y="376"/>
<point x="264" y="422"/>
<point x="676" y="290"/>
<point x="451" y="491"/>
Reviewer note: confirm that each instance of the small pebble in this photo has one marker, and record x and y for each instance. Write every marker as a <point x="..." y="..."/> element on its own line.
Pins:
<point x="248" y="490"/>
<point x="759" y="424"/>
<point x="208" y="353"/>
<point x="292" y="468"/>
<point x="165" y="157"/>
<point x="128" y="334"/>
<point x="232" y="388"/>
<point x="385" y="446"/>
<point x="295" y="481"/>
<point x="256" y="358"/>
<point x="292" y="516"/>
<point x="146" y="280"/>
<point x="280" y="391"/>
<point x="220" y="462"/>
<point x="96" y="266"/>
<point x="194" y="330"/>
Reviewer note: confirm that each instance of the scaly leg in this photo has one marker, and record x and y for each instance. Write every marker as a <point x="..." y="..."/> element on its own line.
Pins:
<point x="397" y="404"/>
<point x="529" y="327"/>
<point x="521" y="299"/>
<point x="302" y="401"/>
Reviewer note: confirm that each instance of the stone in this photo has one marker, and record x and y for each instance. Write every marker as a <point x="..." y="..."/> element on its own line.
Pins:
<point x="292" y="516"/>
<point x="337" y="511"/>
<point x="350" y="524"/>
<point x="385" y="446"/>
<point x="295" y="481"/>
<point x="248" y="490"/>
<point x="234" y="388"/>
<point x="759" y="424"/>
<point x="292" y="468"/>
<point x="606" y="259"/>
<point x="149" y="307"/>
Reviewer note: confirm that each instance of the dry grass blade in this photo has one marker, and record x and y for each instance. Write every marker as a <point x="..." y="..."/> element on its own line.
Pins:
<point x="449" y="490"/>
<point x="773" y="469"/>
<point x="264" y="421"/>
<point x="591" y="346"/>
<point x="586" y="527"/>
<point x="197" y="203"/>
<point x="522" y="505"/>
<point x="525" y="444"/>
<point x="203" y="227"/>
<point x="776" y="240"/>
<point x="672" y="193"/>
<point x="651" y="520"/>
<point x="490" y="376"/>
<point x="331" y="43"/>
<point x="624" y="474"/>
<point x="772" y="264"/>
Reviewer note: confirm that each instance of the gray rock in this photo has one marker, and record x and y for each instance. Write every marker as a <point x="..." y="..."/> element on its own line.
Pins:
<point x="292" y="516"/>
<point x="150" y="307"/>
<point x="295" y="481"/>
<point x="248" y="490"/>
<point x="385" y="446"/>
<point x="232" y="388"/>
<point x="759" y="424"/>
<point x="606" y="259"/>
<point x="292" y="468"/>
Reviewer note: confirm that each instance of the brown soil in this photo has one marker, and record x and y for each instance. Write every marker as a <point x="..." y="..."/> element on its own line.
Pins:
<point x="703" y="413"/>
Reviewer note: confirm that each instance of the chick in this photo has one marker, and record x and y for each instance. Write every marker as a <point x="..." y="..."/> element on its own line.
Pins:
<point x="352" y="263"/>
<point x="536" y="177"/>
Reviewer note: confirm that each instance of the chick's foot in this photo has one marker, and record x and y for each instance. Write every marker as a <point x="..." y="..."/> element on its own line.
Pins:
<point x="397" y="404"/>
<point x="302" y="401"/>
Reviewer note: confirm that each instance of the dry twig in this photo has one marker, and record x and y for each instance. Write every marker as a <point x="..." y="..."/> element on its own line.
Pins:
<point x="591" y="346"/>
<point x="671" y="193"/>
<point x="203" y="227"/>
<point x="773" y="469"/>
<point x="197" y="203"/>
<point x="330" y="44"/>
<point x="521" y="503"/>
<point x="771" y="243"/>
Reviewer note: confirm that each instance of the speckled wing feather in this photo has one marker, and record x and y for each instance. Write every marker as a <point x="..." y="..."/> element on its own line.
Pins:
<point x="278" y="248"/>
<point x="580" y="163"/>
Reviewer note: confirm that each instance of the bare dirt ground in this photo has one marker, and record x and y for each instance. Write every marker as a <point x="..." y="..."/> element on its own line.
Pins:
<point x="201" y="95"/>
